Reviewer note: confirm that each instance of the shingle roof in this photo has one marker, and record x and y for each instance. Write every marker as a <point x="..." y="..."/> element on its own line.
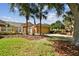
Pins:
<point x="29" y="24"/>
<point x="2" y="22"/>
<point x="10" y="23"/>
<point x="20" y="24"/>
<point x="14" y="24"/>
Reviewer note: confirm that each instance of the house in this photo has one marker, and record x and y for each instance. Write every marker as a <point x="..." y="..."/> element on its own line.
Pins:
<point x="11" y="27"/>
<point x="35" y="29"/>
<point x="14" y="27"/>
<point x="44" y="28"/>
<point x="2" y="26"/>
<point x="29" y="28"/>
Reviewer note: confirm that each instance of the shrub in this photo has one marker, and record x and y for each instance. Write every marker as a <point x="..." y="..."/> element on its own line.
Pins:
<point x="7" y="33"/>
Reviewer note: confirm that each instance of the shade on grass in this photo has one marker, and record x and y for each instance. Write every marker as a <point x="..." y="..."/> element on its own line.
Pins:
<point x="21" y="46"/>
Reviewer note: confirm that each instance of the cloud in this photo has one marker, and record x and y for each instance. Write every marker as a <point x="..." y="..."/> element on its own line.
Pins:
<point x="8" y="18"/>
<point x="5" y="18"/>
<point x="52" y="17"/>
<point x="67" y="9"/>
<point x="16" y="9"/>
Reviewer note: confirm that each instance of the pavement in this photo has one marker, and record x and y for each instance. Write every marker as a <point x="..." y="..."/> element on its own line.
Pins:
<point x="59" y="35"/>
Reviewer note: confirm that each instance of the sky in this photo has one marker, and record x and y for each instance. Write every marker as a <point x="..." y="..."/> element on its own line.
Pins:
<point x="7" y="15"/>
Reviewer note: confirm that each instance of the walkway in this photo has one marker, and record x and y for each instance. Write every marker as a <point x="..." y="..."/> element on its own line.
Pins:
<point x="58" y="35"/>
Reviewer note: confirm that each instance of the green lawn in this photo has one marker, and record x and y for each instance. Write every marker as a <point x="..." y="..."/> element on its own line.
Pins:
<point x="24" y="47"/>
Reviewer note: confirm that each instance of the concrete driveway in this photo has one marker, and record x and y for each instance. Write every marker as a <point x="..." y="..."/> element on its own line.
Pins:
<point x="59" y="35"/>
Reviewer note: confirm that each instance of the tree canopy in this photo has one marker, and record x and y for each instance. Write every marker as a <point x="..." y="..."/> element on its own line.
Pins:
<point x="57" y="25"/>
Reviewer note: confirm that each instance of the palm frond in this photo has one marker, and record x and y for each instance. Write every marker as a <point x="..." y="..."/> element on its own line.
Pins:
<point x="12" y="6"/>
<point x="44" y="16"/>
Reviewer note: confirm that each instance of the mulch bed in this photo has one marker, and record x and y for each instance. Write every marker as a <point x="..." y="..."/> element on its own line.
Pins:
<point x="35" y="37"/>
<point x="31" y="37"/>
<point x="65" y="48"/>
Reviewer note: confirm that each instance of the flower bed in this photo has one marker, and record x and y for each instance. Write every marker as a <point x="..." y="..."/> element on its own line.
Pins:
<point x="65" y="48"/>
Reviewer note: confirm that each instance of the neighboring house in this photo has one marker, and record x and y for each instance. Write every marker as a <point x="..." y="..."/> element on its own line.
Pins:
<point x="15" y="27"/>
<point x="2" y="26"/>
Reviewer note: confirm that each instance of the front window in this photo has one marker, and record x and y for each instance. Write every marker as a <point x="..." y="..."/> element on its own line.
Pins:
<point x="3" y="29"/>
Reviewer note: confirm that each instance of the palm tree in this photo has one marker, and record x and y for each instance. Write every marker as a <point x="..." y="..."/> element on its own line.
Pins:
<point x="74" y="9"/>
<point x="24" y="10"/>
<point x="40" y="14"/>
<point x="34" y="19"/>
<point x="33" y="12"/>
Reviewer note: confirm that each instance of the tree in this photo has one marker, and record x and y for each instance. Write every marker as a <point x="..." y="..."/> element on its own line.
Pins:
<point x="68" y="22"/>
<point x="24" y="10"/>
<point x="58" y="26"/>
<point x="74" y="9"/>
<point x="40" y="13"/>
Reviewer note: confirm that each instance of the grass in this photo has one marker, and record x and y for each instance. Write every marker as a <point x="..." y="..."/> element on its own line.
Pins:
<point x="24" y="47"/>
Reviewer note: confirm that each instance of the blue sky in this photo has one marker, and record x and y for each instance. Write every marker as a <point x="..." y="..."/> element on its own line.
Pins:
<point x="7" y="15"/>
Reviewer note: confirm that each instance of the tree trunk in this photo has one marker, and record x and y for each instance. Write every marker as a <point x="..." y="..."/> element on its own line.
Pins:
<point x="40" y="22"/>
<point x="34" y="22"/>
<point x="74" y="9"/>
<point x="35" y="26"/>
<point x="26" y="25"/>
<point x="76" y="30"/>
<point x="40" y="25"/>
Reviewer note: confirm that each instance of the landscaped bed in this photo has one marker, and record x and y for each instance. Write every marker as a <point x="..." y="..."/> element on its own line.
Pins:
<point x="24" y="47"/>
<point x="65" y="48"/>
<point x="32" y="37"/>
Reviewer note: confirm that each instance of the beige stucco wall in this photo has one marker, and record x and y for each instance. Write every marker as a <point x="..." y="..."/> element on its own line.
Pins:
<point x="36" y="29"/>
<point x="44" y="29"/>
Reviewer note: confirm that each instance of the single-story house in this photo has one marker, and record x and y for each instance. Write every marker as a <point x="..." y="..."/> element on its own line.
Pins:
<point x="2" y="26"/>
<point x="15" y="27"/>
<point x="35" y="29"/>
